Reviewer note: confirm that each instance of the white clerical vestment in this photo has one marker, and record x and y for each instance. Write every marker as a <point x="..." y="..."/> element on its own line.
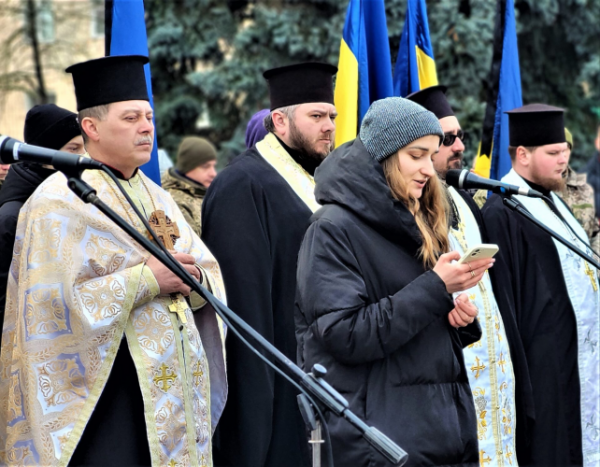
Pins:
<point x="488" y="361"/>
<point x="583" y="286"/>
<point x="77" y="285"/>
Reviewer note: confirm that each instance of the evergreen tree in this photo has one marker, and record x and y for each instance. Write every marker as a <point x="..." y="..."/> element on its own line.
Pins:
<point x="208" y="57"/>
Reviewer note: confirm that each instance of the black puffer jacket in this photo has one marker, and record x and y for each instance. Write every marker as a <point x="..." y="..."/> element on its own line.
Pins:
<point x="21" y="181"/>
<point x="370" y="313"/>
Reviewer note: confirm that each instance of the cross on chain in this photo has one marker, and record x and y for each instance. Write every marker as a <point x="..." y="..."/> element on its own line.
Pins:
<point x="164" y="378"/>
<point x="179" y="306"/>
<point x="477" y="367"/>
<point x="166" y="230"/>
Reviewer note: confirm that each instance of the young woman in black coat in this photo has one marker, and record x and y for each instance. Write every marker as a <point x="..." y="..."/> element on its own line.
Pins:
<point x="374" y="301"/>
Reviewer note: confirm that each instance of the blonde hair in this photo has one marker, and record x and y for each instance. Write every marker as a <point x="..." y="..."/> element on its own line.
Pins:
<point x="430" y="211"/>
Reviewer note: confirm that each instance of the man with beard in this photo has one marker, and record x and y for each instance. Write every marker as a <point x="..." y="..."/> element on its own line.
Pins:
<point x="254" y="217"/>
<point x="549" y="300"/>
<point x="488" y="361"/>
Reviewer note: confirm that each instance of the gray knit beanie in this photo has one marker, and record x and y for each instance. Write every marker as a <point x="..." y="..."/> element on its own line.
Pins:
<point x="394" y="122"/>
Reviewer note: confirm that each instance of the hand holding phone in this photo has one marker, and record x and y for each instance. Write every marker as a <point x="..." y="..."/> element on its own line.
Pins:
<point x="481" y="251"/>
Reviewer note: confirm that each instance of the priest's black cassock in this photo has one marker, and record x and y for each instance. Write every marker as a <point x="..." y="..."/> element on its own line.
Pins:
<point x="253" y="223"/>
<point x="540" y="324"/>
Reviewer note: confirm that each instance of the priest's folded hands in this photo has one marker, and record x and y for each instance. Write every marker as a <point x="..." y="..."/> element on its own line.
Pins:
<point x="167" y="281"/>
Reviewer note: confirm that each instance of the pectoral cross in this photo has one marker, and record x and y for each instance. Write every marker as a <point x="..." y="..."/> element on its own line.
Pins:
<point x="590" y="273"/>
<point x="164" y="378"/>
<point x="168" y="233"/>
<point x="179" y="306"/>
<point x="166" y="230"/>
<point x="477" y="367"/>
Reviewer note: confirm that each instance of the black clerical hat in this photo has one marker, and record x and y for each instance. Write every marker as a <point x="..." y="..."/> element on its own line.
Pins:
<point x="300" y="83"/>
<point x="433" y="99"/>
<point x="109" y="79"/>
<point x="536" y="125"/>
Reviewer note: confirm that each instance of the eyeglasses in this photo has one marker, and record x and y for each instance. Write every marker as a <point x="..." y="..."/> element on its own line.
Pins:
<point x="449" y="138"/>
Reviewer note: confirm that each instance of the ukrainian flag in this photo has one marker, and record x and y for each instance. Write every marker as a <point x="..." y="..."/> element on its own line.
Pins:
<point x="493" y="160"/>
<point x="125" y="34"/>
<point x="415" y="65"/>
<point x="365" y="66"/>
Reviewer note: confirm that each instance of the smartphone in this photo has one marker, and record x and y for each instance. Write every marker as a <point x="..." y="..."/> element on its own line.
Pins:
<point x="481" y="251"/>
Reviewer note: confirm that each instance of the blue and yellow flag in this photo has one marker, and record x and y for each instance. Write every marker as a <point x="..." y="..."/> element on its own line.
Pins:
<point x="125" y="34"/>
<point x="493" y="160"/>
<point x="415" y="65"/>
<point x="365" y="66"/>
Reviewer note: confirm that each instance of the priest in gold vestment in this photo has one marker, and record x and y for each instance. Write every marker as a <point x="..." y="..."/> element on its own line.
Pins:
<point x="104" y="362"/>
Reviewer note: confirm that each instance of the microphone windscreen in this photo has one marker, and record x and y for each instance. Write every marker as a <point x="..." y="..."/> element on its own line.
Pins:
<point x="453" y="177"/>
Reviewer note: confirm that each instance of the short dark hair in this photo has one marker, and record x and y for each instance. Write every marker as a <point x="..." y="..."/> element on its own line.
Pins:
<point x="99" y="112"/>
<point x="512" y="150"/>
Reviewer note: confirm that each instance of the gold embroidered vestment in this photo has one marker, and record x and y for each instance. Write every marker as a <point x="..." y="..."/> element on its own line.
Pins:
<point x="76" y="286"/>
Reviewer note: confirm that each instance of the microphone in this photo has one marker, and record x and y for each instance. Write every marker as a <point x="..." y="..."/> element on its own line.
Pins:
<point x="12" y="150"/>
<point x="465" y="180"/>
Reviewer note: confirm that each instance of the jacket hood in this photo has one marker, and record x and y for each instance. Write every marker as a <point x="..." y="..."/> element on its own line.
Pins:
<point x="172" y="180"/>
<point x="21" y="181"/>
<point x="351" y="178"/>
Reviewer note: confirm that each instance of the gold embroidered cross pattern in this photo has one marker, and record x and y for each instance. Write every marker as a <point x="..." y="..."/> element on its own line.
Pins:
<point x="502" y="362"/>
<point x="179" y="306"/>
<point x="166" y="230"/>
<point x="198" y="373"/>
<point x="484" y="460"/>
<point x="477" y="367"/>
<point x="165" y="378"/>
<point x="590" y="273"/>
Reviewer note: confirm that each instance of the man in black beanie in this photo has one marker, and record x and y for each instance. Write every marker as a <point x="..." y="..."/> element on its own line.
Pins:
<point x="254" y="217"/>
<point x="47" y="126"/>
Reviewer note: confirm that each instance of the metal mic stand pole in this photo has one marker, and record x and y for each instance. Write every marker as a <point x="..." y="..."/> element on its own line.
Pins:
<point x="518" y="207"/>
<point x="313" y="383"/>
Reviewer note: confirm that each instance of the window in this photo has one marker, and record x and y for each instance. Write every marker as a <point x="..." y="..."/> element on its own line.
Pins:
<point x="44" y="20"/>
<point x="97" y="19"/>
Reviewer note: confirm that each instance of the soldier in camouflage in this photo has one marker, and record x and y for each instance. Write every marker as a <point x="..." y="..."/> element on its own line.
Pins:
<point x="579" y="196"/>
<point x="188" y="181"/>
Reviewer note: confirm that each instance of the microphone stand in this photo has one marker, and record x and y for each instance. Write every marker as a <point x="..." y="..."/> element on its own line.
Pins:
<point x="516" y="206"/>
<point x="313" y="382"/>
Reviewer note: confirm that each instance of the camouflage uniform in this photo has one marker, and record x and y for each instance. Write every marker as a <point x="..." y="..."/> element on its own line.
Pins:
<point x="579" y="196"/>
<point x="188" y="195"/>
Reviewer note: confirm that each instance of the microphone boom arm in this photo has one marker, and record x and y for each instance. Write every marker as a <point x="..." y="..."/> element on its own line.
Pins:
<point x="319" y="389"/>
<point x="516" y="206"/>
